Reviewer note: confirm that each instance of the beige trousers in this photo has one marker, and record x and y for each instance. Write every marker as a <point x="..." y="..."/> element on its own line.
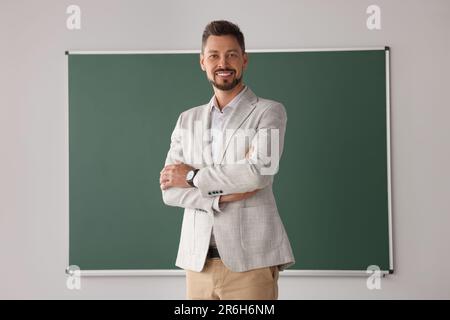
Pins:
<point x="217" y="282"/>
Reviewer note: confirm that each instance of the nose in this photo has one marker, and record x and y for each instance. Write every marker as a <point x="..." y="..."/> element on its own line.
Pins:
<point x="223" y="62"/>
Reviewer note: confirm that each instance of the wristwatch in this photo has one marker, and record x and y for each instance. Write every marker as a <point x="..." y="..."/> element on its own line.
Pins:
<point x="190" y="177"/>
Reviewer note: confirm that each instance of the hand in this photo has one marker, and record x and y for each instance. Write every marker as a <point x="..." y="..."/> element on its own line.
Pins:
<point x="237" y="196"/>
<point x="174" y="175"/>
<point x="249" y="153"/>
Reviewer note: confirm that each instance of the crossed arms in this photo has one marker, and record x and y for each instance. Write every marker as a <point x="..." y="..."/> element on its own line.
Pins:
<point x="235" y="181"/>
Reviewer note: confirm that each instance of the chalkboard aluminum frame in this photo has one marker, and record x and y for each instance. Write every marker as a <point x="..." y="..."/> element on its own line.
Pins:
<point x="287" y="273"/>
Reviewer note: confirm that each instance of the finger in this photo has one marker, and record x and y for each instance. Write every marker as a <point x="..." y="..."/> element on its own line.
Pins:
<point x="162" y="180"/>
<point x="249" y="194"/>
<point x="166" y="169"/>
<point x="165" y="185"/>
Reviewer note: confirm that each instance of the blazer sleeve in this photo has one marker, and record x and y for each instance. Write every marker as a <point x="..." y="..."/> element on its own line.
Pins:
<point x="185" y="197"/>
<point x="256" y="171"/>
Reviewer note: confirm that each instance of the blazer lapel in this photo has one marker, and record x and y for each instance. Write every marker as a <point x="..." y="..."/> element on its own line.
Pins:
<point x="206" y="135"/>
<point x="243" y="109"/>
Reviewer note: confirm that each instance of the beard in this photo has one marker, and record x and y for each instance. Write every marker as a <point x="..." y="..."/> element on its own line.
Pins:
<point x="227" y="85"/>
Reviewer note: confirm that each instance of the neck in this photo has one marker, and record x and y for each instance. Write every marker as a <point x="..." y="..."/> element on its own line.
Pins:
<point x="224" y="97"/>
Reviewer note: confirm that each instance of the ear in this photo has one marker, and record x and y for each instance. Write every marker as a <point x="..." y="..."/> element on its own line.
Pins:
<point x="201" y="62"/>
<point x="245" y="58"/>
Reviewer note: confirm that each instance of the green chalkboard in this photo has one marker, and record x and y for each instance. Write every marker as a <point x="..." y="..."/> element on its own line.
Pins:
<point x="332" y="189"/>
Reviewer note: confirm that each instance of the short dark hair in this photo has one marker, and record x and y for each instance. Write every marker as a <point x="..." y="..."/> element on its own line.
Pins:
<point x="223" y="28"/>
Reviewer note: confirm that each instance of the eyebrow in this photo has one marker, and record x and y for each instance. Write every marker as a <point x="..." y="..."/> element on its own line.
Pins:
<point x="214" y="51"/>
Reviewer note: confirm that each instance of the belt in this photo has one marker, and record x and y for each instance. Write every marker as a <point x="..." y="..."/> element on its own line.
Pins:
<point x="213" y="253"/>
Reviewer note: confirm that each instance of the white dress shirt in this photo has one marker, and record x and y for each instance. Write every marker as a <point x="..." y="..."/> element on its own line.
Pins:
<point x="219" y="119"/>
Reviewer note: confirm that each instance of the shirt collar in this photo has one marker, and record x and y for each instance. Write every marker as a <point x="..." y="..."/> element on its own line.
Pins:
<point x="231" y="105"/>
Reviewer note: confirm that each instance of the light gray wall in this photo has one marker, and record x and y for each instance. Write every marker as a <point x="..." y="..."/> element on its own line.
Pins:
<point x="34" y="117"/>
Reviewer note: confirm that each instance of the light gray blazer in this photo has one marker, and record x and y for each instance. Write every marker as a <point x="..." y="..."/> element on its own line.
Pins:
<point x="249" y="234"/>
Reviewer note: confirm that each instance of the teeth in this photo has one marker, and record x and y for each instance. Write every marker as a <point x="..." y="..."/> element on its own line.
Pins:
<point x="224" y="73"/>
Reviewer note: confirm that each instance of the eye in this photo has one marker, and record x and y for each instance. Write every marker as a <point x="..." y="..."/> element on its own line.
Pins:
<point x="213" y="56"/>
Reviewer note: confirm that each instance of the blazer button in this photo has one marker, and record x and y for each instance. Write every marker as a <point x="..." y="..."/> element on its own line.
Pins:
<point x="209" y="193"/>
<point x="221" y="191"/>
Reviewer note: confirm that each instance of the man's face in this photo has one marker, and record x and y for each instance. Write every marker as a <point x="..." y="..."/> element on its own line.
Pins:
<point x="223" y="61"/>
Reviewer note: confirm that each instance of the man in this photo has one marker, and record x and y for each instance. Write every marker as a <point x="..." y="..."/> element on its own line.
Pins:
<point x="233" y="242"/>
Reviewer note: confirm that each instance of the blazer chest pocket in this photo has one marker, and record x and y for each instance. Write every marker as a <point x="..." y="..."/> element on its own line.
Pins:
<point x="261" y="228"/>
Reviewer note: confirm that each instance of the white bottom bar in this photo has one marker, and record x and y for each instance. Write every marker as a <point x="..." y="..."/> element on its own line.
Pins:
<point x="170" y="273"/>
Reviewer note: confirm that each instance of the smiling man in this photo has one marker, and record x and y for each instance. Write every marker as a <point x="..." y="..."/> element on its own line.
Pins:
<point x="233" y="242"/>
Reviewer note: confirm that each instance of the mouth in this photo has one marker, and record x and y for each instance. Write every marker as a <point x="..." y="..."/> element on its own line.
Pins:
<point x="224" y="74"/>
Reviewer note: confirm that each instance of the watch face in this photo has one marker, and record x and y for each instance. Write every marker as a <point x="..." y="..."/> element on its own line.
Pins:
<point x="190" y="175"/>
